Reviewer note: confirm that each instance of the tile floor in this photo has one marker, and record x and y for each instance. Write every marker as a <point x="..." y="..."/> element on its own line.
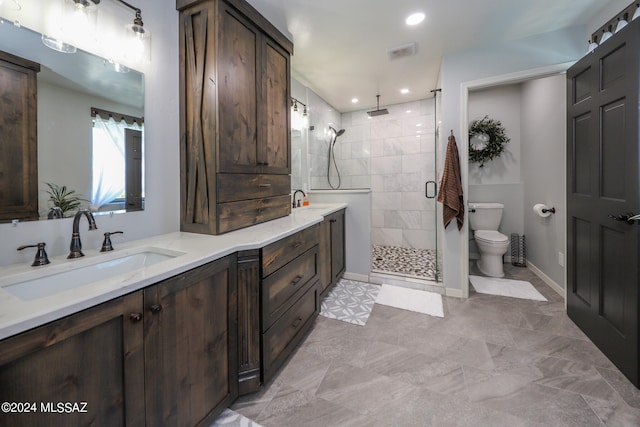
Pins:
<point x="492" y="361"/>
<point x="420" y="263"/>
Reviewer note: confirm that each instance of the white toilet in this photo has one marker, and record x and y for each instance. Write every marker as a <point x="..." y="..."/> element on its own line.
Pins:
<point x="484" y="219"/>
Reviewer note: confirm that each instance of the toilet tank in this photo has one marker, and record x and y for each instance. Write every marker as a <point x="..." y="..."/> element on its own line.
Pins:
<point x="485" y="216"/>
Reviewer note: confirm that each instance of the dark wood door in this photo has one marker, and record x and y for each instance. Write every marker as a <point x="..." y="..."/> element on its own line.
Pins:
<point x="275" y="116"/>
<point x="133" y="169"/>
<point x="602" y="187"/>
<point x="93" y="358"/>
<point x="336" y="222"/>
<point x="190" y="345"/>
<point x="239" y="87"/>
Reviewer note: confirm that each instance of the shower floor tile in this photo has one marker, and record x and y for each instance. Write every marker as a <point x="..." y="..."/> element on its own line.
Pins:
<point x="405" y="261"/>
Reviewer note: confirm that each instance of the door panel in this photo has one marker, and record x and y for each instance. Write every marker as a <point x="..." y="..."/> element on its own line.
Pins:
<point x="613" y="150"/>
<point x="602" y="174"/>
<point x="237" y="94"/>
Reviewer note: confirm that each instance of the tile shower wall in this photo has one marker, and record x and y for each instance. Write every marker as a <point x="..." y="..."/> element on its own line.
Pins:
<point x="394" y="155"/>
<point x="321" y="116"/>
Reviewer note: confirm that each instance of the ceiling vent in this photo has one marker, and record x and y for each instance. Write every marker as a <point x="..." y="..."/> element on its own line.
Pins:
<point x="402" y="51"/>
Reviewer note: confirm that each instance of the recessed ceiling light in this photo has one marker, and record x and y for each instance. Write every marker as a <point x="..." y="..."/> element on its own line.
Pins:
<point x="355" y="100"/>
<point x="408" y="111"/>
<point x="405" y="90"/>
<point x="415" y="18"/>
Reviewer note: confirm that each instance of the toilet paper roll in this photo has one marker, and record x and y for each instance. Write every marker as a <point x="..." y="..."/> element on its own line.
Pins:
<point x="538" y="209"/>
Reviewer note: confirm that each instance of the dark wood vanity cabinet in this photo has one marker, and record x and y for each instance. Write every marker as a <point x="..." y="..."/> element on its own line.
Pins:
<point x="290" y="295"/>
<point x="190" y="345"/>
<point x="162" y="356"/>
<point x="235" y="117"/>
<point x="18" y="138"/>
<point x="332" y="249"/>
<point x="94" y="358"/>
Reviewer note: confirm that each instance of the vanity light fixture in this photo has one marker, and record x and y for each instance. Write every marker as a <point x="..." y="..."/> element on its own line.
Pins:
<point x="137" y="37"/>
<point x="295" y="103"/>
<point x="78" y="21"/>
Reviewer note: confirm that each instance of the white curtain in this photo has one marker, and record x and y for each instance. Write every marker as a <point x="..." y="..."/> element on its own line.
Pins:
<point x="108" y="161"/>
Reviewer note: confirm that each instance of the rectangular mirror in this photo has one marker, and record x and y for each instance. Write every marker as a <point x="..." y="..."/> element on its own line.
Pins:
<point x="90" y="127"/>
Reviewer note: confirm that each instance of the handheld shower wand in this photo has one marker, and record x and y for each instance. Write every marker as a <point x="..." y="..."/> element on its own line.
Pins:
<point x="332" y="155"/>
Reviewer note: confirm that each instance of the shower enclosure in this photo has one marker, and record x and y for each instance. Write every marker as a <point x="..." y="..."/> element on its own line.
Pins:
<point x="394" y="156"/>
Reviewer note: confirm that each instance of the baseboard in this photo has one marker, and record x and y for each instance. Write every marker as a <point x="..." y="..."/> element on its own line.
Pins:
<point x="356" y="276"/>
<point x="546" y="279"/>
<point x="452" y="292"/>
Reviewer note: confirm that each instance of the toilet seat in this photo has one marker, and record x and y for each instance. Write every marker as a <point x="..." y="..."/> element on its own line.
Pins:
<point x="491" y="237"/>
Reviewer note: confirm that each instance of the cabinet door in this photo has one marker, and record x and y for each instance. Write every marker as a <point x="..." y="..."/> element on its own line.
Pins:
<point x="238" y="88"/>
<point x="190" y="345"/>
<point x="324" y="254"/>
<point x="93" y="357"/>
<point x="275" y="114"/>
<point x="336" y="222"/>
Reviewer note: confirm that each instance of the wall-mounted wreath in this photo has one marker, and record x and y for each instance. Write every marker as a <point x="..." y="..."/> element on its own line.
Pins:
<point x="492" y="139"/>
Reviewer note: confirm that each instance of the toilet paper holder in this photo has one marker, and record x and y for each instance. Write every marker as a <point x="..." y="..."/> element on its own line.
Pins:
<point x="552" y="210"/>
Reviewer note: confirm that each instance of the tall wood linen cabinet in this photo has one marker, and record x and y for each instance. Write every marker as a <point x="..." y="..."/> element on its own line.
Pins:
<point x="234" y="116"/>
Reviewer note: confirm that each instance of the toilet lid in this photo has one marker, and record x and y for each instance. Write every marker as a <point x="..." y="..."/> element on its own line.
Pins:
<point x="491" y="236"/>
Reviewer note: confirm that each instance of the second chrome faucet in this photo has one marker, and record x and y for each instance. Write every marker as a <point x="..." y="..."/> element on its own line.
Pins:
<point x="75" y="248"/>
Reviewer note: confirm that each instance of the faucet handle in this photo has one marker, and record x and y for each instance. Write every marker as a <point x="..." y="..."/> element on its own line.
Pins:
<point x="106" y="244"/>
<point x="41" y="255"/>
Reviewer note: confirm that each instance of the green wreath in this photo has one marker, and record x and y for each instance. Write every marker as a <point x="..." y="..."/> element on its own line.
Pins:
<point x="493" y="132"/>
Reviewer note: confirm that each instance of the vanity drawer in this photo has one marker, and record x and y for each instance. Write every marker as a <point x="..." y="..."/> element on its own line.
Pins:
<point x="280" y="289"/>
<point x="236" y="215"/>
<point x="284" y="250"/>
<point x="235" y="187"/>
<point x="287" y="332"/>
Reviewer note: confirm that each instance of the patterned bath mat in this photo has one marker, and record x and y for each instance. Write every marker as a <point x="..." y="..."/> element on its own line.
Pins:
<point x="229" y="418"/>
<point x="506" y="288"/>
<point x="411" y="299"/>
<point x="350" y="301"/>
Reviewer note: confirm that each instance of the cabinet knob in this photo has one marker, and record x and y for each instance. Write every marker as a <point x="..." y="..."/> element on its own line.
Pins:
<point x="135" y="317"/>
<point x="333" y="221"/>
<point x="156" y="308"/>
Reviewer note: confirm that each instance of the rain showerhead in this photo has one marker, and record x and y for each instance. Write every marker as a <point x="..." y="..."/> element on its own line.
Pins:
<point x="378" y="111"/>
<point x="336" y="132"/>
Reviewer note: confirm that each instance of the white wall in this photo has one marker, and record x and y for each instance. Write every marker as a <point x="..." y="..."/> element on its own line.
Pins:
<point x="499" y="180"/>
<point x="543" y="171"/>
<point x="162" y="209"/>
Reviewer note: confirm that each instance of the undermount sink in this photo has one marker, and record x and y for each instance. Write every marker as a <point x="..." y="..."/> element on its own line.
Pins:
<point x="56" y="282"/>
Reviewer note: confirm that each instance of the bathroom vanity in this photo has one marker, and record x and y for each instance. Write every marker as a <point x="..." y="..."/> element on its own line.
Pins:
<point x="172" y="343"/>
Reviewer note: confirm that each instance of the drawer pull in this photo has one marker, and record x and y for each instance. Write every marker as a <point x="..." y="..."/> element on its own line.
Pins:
<point x="135" y="317"/>
<point x="264" y="185"/>
<point x="333" y="221"/>
<point x="296" y="323"/>
<point x="156" y="308"/>
<point x="263" y="163"/>
<point x="297" y="245"/>
<point x="296" y="280"/>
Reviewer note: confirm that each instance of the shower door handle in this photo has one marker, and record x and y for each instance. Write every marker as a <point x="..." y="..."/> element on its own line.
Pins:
<point x="434" y="187"/>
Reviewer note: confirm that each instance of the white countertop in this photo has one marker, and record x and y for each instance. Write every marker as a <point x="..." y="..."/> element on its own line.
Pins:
<point x="17" y="315"/>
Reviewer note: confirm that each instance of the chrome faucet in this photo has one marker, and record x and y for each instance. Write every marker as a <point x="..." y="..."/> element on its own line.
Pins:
<point x="76" y="245"/>
<point x="294" y="198"/>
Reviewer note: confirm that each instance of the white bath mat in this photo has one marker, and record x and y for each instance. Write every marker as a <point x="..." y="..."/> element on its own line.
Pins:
<point x="506" y="288"/>
<point x="411" y="299"/>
